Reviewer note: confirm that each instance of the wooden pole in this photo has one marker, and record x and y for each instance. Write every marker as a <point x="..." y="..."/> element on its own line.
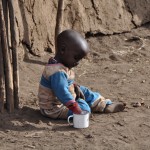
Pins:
<point x="59" y="20"/>
<point x="7" y="64"/>
<point x="2" y="85"/>
<point x="14" y="53"/>
<point x="5" y="12"/>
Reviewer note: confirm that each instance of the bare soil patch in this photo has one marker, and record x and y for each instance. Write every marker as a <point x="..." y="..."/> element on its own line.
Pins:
<point x="118" y="67"/>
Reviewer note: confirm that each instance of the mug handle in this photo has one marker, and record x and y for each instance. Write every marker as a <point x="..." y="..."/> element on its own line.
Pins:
<point x="69" y="119"/>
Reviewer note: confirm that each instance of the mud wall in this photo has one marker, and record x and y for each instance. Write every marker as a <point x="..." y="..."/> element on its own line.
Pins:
<point x="35" y="20"/>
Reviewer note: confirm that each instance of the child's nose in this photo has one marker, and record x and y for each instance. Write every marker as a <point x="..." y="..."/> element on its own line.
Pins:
<point x="76" y="63"/>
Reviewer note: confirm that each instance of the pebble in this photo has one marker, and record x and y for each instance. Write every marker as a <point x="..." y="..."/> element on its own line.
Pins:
<point x="130" y="70"/>
<point x="137" y="104"/>
<point x="143" y="81"/>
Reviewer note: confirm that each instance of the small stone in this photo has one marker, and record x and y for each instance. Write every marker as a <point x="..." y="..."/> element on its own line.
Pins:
<point x="115" y="70"/>
<point x="120" y="123"/>
<point x="40" y="122"/>
<point x="49" y="124"/>
<point x="89" y="136"/>
<point x="143" y="81"/>
<point x="137" y="104"/>
<point x="125" y="136"/>
<point x="142" y="102"/>
<point x="148" y="107"/>
<point x="113" y="57"/>
<point x="130" y="70"/>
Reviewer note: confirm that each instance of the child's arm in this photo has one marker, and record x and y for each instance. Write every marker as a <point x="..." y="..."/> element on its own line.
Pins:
<point x="78" y="92"/>
<point x="60" y="87"/>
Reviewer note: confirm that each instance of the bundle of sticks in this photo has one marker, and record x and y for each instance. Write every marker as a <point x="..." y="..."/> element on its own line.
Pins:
<point x="9" y="76"/>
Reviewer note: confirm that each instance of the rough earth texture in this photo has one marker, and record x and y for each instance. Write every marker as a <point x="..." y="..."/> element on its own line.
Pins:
<point x="118" y="66"/>
<point x="36" y="20"/>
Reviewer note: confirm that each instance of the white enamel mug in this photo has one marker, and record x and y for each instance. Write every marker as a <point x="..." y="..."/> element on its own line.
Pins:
<point x="80" y="120"/>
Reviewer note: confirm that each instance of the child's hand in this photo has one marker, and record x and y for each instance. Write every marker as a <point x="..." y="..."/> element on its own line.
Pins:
<point x="74" y="107"/>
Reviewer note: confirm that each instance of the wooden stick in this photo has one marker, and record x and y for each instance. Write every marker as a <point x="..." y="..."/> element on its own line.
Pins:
<point x="14" y="53"/>
<point x="5" y="12"/>
<point x="7" y="64"/>
<point x="2" y="85"/>
<point x="59" y="20"/>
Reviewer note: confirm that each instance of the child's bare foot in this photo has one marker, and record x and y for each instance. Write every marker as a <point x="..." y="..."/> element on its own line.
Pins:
<point x="115" y="107"/>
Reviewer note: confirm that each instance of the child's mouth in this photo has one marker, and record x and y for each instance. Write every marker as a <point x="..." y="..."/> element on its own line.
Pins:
<point x="76" y="63"/>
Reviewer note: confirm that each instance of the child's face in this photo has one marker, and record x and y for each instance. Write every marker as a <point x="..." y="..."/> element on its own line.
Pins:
<point x="72" y="55"/>
<point x="71" y="47"/>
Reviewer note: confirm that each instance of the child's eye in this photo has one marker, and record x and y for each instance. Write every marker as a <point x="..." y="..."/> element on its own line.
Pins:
<point x="76" y="58"/>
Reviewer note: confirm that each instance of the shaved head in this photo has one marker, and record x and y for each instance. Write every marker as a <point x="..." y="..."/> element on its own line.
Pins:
<point x="71" y="38"/>
<point x="71" y="48"/>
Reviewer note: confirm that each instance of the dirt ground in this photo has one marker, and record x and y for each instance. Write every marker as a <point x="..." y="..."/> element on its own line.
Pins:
<point x="119" y="67"/>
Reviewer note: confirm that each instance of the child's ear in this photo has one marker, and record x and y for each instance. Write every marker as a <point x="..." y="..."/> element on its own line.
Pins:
<point x="63" y="49"/>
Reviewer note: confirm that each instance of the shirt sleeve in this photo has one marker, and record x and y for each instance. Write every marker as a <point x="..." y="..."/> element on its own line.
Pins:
<point x="60" y="87"/>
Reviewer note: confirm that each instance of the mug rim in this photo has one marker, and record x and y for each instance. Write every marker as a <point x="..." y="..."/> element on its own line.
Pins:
<point x="86" y="112"/>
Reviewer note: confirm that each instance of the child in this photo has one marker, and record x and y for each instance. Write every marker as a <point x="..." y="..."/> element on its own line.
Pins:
<point x="59" y="96"/>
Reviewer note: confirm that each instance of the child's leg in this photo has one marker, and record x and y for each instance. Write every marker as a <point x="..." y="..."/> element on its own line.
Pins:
<point x="99" y="103"/>
<point x="57" y="114"/>
<point x="94" y="99"/>
<point x="64" y="112"/>
<point x="90" y="96"/>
